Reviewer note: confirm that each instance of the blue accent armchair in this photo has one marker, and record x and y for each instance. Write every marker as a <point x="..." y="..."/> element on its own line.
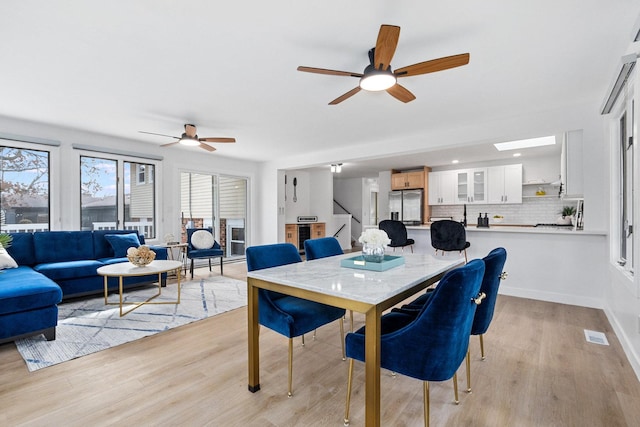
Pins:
<point x="431" y="345"/>
<point x="397" y="232"/>
<point x="287" y="315"/>
<point x="194" y="253"/>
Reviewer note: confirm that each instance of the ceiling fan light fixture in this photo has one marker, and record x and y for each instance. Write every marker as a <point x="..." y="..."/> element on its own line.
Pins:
<point x="188" y="140"/>
<point x="376" y="80"/>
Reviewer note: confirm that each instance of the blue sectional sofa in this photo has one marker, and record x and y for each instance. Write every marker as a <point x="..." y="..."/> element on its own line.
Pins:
<point x="53" y="265"/>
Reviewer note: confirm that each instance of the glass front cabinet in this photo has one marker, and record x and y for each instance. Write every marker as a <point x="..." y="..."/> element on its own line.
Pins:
<point x="471" y="186"/>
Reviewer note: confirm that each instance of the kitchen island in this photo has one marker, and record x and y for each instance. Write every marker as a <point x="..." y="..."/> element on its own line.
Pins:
<point x="548" y="264"/>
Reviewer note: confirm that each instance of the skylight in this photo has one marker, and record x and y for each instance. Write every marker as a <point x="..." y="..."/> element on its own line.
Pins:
<point x="525" y="143"/>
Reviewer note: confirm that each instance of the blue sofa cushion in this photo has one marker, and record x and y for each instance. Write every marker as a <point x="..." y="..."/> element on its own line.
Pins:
<point x="22" y="249"/>
<point x="57" y="246"/>
<point x="121" y="242"/>
<point x="102" y="248"/>
<point x="23" y="289"/>
<point x="69" y="269"/>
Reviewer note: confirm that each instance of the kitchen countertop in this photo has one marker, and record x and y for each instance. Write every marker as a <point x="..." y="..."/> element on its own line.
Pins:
<point x="519" y="228"/>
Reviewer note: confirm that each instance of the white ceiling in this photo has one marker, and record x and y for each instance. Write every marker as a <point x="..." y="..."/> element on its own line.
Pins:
<point x="118" y="67"/>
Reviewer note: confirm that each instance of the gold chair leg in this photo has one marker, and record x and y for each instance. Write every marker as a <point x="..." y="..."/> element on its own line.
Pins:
<point x="468" y="370"/>
<point x="465" y="257"/>
<point x="349" y="381"/>
<point x="344" y="354"/>
<point x="351" y="316"/>
<point x="411" y="248"/>
<point x="314" y="334"/>
<point x="482" y="346"/>
<point x="425" y="393"/>
<point x="290" y="393"/>
<point x="303" y="340"/>
<point x="455" y="388"/>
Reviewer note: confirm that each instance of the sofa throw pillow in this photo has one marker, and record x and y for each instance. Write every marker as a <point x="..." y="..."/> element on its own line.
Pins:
<point x="121" y="242"/>
<point x="202" y="239"/>
<point x="6" y="261"/>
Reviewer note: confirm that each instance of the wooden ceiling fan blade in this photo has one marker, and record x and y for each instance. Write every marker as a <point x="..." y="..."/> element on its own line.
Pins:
<point x="217" y="139"/>
<point x="159" y="134"/>
<point x="169" y="144"/>
<point x="329" y="72"/>
<point x="190" y="130"/>
<point x="401" y="93"/>
<point x="207" y="147"/>
<point x="433" y="65"/>
<point x="386" y="46"/>
<point x="345" y="96"/>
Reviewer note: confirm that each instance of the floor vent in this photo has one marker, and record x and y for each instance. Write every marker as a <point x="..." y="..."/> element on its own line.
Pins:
<point x="595" y="337"/>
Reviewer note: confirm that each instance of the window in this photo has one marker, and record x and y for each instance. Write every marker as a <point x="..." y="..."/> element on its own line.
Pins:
<point x="219" y="202"/>
<point x="140" y="169"/>
<point x="24" y="190"/>
<point x="109" y="202"/>
<point x="622" y="231"/>
<point x="627" y="191"/>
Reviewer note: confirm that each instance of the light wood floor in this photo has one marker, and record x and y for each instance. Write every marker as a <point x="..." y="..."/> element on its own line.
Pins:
<point x="539" y="371"/>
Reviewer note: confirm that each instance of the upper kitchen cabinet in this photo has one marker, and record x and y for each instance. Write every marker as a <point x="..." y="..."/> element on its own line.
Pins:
<point x="407" y="180"/>
<point x="471" y="186"/>
<point x="442" y="188"/>
<point x="504" y="184"/>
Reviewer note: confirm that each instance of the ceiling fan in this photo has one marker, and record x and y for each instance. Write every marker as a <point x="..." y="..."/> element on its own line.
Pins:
<point x="190" y="138"/>
<point x="378" y="75"/>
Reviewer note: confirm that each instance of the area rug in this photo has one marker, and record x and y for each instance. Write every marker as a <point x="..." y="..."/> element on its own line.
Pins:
<point x="86" y="326"/>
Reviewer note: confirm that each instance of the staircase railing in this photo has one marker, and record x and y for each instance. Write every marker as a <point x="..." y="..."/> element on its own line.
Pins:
<point x="345" y="209"/>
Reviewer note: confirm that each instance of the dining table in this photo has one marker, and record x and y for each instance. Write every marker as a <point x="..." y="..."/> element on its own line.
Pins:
<point x="361" y="290"/>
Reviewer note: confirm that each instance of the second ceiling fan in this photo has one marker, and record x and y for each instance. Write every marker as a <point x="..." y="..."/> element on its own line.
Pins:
<point x="378" y="75"/>
<point x="190" y="137"/>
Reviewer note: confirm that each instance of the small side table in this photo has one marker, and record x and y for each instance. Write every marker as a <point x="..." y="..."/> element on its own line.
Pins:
<point x="178" y="252"/>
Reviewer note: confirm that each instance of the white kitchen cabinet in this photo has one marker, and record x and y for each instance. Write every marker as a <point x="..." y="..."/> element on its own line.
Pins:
<point x="504" y="184"/>
<point x="471" y="186"/>
<point x="442" y="188"/>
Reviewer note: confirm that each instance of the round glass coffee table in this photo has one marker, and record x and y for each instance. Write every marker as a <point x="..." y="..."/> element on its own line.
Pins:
<point x="127" y="269"/>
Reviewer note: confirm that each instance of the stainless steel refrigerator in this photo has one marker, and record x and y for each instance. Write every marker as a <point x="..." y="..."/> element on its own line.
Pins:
<point x="406" y="206"/>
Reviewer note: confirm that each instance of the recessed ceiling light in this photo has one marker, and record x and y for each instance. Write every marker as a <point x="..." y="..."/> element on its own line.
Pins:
<point x="454" y="161"/>
<point x="525" y="143"/>
<point x="517" y="154"/>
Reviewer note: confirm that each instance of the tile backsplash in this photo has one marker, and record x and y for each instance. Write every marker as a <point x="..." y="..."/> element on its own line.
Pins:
<point x="533" y="210"/>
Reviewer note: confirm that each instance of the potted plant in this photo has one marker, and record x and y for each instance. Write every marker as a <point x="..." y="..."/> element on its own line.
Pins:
<point x="567" y="215"/>
<point x="5" y="240"/>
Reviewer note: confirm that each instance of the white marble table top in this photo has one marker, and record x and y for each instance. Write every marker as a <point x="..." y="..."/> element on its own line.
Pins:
<point x="326" y="276"/>
<point x="126" y="269"/>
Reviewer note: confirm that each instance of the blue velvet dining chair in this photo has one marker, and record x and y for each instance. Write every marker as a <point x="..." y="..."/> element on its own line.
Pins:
<point x="397" y="232"/>
<point x="201" y="244"/>
<point x="493" y="273"/>
<point x="432" y="345"/>
<point x="324" y="247"/>
<point x="287" y="315"/>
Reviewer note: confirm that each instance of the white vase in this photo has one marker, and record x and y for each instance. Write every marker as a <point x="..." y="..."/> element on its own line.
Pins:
<point x="372" y="253"/>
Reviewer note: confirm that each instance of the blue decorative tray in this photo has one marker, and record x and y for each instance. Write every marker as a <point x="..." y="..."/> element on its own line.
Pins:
<point x="358" y="262"/>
